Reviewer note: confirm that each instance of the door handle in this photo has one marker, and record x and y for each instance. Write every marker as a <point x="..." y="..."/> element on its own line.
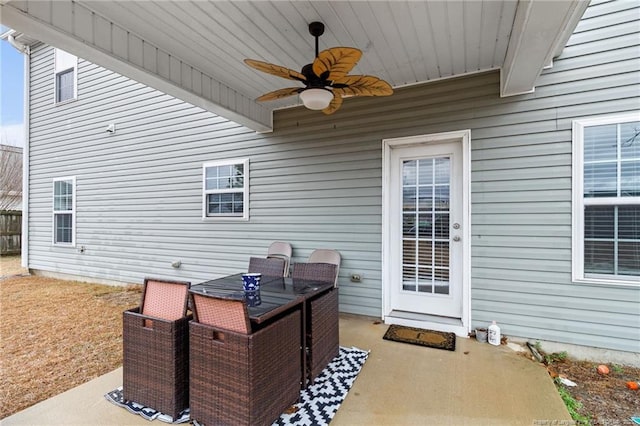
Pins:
<point x="456" y="238"/>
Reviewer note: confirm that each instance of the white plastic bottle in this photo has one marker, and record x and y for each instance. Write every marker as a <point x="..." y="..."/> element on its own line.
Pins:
<point x="494" y="334"/>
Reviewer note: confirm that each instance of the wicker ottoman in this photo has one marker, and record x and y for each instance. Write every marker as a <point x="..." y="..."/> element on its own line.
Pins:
<point x="156" y="362"/>
<point x="248" y="379"/>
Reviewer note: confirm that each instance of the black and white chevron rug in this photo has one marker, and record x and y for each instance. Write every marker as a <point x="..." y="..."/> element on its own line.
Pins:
<point x="318" y="403"/>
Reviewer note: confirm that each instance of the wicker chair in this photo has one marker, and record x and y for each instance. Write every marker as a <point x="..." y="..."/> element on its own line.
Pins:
<point x="156" y="348"/>
<point x="322" y="318"/>
<point x="325" y="272"/>
<point x="271" y="266"/>
<point x="239" y="375"/>
<point x="327" y="256"/>
<point x="281" y="250"/>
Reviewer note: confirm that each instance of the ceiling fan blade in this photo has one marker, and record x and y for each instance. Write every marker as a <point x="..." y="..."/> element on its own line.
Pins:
<point x="279" y="94"/>
<point x="335" y="104"/>
<point x="276" y="70"/>
<point x="337" y="61"/>
<point x="362" y="85"/>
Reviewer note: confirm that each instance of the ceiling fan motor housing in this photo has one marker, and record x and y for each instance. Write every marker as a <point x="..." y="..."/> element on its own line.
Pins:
<point x="313" y="80"/>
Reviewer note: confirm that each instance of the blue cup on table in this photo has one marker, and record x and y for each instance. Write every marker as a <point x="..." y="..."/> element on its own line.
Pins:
<point x="253" y="298"/>
<point x="251" y="281"/>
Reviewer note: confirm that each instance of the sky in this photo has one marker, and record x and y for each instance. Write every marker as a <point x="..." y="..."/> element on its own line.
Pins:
<point x="11" y="95"/>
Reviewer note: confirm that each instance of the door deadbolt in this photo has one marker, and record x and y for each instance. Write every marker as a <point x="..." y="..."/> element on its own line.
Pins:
<point x="456" y="226"/>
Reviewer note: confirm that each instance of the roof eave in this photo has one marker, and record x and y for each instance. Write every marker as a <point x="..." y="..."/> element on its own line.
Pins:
<point x="540" y="31"/>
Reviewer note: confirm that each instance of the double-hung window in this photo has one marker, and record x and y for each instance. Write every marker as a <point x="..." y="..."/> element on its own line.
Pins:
<point x="64" y="211"/>
<point x="64" y="85"/>
<point x="606" y="199"/>
<point x="226" y="189"/>
<point x="66" y="66"/>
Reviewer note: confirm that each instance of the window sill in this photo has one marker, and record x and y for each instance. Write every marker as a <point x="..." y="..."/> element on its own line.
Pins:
<point x="68" y="101"/>
<point x="225" y="219"/>
<point x="608" y="282"/>
<point x="64" y="245"/>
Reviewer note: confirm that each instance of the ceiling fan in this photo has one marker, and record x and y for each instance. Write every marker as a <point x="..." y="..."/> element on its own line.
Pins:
<point x="326" y="79"/>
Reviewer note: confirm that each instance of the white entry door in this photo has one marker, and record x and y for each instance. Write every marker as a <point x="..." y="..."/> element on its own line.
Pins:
<point x="425" y="229"/>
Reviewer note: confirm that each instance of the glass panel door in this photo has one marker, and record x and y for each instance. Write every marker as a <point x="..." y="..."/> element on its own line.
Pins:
<point x="426" y="188"/>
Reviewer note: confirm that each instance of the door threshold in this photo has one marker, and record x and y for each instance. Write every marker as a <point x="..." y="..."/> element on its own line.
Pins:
<point x="433" y="322"/>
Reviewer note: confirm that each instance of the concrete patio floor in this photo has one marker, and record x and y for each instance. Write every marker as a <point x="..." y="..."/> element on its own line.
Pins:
<point x="400" y="384"/>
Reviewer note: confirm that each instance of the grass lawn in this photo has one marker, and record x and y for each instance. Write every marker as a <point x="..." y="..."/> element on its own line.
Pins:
<point x="55" y="334"/>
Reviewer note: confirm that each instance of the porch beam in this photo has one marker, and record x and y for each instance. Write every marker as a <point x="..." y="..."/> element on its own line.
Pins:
<point x="76" y="29"/>
<point x="540" y="31"/>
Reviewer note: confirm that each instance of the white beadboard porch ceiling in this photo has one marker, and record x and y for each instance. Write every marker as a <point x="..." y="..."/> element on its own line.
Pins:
<point x="194" y="50"/>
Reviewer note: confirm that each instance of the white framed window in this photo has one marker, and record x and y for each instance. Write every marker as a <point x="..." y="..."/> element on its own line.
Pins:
<point x="66" y="76"/>
<point x="606" y="199"/>
<point x="64" y="211"/>
<point x="225" y="189"/>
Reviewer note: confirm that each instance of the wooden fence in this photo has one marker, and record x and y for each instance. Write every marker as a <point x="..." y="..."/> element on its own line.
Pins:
<point x="10" y="232"/>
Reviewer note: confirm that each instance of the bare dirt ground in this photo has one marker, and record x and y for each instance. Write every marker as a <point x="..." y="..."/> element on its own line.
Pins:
<point x="605" y="398"/>
<point x="55" y="334"/>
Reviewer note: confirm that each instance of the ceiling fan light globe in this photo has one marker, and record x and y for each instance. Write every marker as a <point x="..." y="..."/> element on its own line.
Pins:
<point x="316" y="99"/>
